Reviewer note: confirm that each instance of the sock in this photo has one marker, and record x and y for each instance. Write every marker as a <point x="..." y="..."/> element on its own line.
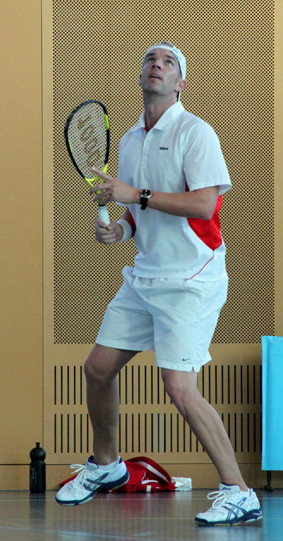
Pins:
<point x="228" y="485"/>
<point x="108" y="466"/>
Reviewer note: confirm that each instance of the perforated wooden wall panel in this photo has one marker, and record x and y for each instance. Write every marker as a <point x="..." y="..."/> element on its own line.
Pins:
<point x="149" y="423"/>
<point x="95" y="50"/>
<point x="230" y="85"/>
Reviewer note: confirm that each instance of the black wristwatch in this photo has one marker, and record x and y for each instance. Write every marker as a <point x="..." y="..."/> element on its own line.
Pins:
<point x="145" y="195"/>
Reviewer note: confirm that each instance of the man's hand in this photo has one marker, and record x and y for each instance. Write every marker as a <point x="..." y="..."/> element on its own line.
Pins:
<point x="114" y="189"/>
<point x="108" y="234"/>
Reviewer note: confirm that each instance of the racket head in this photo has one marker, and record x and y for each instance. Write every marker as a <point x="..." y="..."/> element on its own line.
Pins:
<point x="87" y="138"/>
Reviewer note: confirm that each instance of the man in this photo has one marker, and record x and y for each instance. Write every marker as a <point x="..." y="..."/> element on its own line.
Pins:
<point x="174" y="176"/>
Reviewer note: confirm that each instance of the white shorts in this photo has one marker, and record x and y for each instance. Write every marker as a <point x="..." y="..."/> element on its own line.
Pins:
<point x="175" y="318"/>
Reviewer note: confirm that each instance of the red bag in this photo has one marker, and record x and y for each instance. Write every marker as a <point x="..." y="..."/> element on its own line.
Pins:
<point x="146" y="476"/>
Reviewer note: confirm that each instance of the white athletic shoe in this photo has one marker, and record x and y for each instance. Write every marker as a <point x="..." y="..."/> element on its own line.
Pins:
<point x="90" y="480"/>
<point x="231" y="507"/>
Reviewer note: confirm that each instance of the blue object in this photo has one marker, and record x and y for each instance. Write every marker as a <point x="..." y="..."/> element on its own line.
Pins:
<point x="272" y="403"/>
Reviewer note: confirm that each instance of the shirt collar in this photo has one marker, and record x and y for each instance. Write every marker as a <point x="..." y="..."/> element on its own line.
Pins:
<point x="166" y="119"/>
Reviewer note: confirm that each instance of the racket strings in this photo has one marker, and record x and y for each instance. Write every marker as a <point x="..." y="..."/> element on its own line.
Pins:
<point x="88" y="138"/>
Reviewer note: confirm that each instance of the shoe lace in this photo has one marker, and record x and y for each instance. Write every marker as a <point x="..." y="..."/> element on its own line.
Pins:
<point x="219" y="498"/>
<point x="80" y="473"/>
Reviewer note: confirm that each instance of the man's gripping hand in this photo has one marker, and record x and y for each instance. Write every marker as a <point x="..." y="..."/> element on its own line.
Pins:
<point x="108" y="234"/>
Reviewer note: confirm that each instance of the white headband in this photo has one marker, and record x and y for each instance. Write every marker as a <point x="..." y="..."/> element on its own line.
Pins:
<point x="176" y="52"/>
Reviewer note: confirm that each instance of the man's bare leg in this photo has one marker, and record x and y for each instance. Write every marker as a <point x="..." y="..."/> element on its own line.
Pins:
<point x="205" y="423"/>
<point x="101" y="370"/>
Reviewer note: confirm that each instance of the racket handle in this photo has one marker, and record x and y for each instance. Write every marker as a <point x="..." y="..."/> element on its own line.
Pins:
<point x="103" y="214"/>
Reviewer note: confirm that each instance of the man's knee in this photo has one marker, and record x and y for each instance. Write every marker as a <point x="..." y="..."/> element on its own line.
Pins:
<point x="104" y="364"/>
<point x="180" y="386"/>
<point x="96" y="369"/>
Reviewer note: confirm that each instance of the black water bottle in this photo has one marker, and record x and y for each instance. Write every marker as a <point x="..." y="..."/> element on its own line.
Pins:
<point x="37" y="469"/>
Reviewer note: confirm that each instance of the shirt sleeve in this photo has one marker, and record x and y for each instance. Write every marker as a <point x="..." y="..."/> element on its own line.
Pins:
<point x="204" y="164"/>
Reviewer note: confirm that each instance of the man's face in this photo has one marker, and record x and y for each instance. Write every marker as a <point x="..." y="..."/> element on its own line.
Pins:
<point x="160" y="73"/>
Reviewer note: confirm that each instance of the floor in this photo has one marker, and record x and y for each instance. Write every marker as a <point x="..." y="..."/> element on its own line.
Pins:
<point x="128" y="517"/>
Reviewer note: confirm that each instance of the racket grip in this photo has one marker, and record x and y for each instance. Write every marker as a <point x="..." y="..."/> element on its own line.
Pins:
<point x="103" y="214"/>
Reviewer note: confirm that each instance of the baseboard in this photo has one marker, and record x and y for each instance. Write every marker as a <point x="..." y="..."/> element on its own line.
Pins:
<point x="16" y="477"/>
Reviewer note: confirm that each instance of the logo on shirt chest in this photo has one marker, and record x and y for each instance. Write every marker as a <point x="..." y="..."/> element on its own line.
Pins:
<point x="163" y="148"/>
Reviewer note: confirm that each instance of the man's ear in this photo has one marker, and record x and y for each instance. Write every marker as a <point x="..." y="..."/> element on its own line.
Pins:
<point x="182" y="85"/>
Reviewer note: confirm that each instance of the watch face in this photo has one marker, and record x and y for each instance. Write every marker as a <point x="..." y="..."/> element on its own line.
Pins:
<point x="145" y="195"/>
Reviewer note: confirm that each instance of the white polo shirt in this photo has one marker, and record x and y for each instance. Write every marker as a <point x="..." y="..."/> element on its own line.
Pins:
<point x="181" y="152"/>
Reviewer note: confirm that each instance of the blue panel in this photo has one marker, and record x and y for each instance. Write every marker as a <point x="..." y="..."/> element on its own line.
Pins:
<point x="272" y="403"/>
